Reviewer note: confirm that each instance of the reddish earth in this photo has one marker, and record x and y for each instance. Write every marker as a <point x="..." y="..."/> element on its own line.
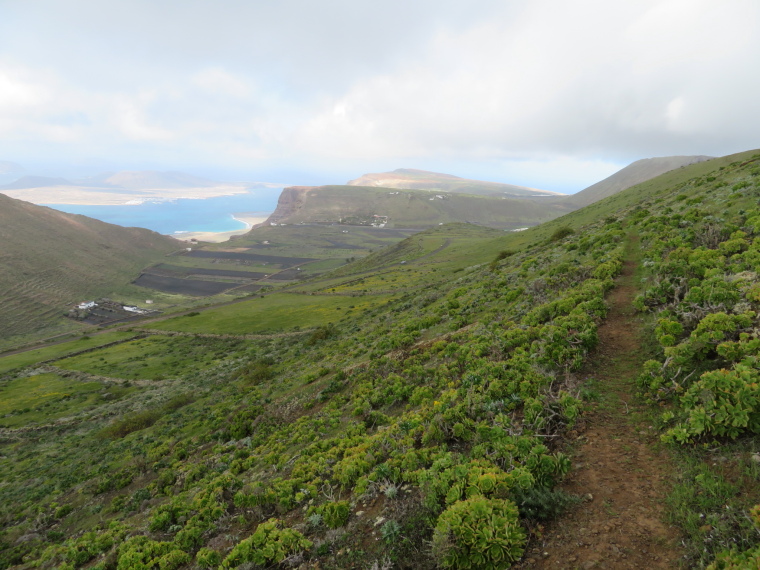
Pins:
<point x="619" y="468"/>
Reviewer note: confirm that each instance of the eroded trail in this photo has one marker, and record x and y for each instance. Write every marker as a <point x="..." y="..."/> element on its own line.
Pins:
<point x="617" y="465"/>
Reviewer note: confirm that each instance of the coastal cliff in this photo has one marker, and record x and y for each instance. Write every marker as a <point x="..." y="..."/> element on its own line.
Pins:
<point x="290" y="201"/>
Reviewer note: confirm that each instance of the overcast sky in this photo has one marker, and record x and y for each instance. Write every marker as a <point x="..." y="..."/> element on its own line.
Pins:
<point x="555" y="94"/>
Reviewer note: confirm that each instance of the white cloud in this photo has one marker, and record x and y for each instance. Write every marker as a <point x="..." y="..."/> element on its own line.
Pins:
<point x="220" y="82"/>
<point x="301" y="83"/>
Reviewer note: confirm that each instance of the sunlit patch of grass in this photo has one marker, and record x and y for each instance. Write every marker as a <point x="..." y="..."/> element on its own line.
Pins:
<point x="152" y="358"/>
<point x="29" y="357"/>
<point x="277" y="312"/>
<point x="47" y="397"/>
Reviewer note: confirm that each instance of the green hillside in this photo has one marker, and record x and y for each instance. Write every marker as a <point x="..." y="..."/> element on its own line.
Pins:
<point x="432" y="405"/>
<point x="51" y="259"/>
<point x="635" y="173"/>
<point x="363" y="205"/>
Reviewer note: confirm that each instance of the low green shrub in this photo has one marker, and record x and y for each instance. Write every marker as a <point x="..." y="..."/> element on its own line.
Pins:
<point x="270" y="544"/>
<point x="478" y="533"/>
<point x="561" y="233"/>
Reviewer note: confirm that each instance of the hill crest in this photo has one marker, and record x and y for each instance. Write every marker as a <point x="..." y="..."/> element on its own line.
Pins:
<point x="414" y="179"/>
<point x="635" y="173"/>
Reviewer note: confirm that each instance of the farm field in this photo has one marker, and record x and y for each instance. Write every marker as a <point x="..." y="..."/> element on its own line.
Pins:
<point x="248" y="260"/>
<point x="49" y="397"/>
<point x="180" y="286"/>
<point x="279" y="261"/>
<point x="152" y="358"/>
<point x="181" y="271"/>
<point x="317" y="240"/>
<point x="278" y="312"/>
<point x="21" y="360"/>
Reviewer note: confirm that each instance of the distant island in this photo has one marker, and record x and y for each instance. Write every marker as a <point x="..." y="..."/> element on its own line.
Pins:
<point x="121" y="188"/>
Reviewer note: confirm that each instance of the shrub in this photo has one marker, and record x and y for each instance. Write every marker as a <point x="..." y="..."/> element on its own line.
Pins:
<point x="390" y="531"/>
<point x="561" y="233"/>
<point x="503" y="254"/>
<point x="269" y="544"/>
<point x="208" y="558"/>
<point x="142" y="552"/>
<point x="334" y="514"/>
<point x="721" y="403"/>
<point x="478" y="533"/>
<point x="541" y="503"/>
<point x="321" y="333"/>
<point x="131" y="423"/>
<point x="736" y="561"/>
<point x="256" y="372"/>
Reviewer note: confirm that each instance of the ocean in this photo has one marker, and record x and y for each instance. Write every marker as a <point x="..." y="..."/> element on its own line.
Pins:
<point x="182" y="215"/>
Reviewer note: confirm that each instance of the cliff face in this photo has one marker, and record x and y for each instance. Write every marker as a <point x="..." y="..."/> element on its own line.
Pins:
<point x="290" y="201"/>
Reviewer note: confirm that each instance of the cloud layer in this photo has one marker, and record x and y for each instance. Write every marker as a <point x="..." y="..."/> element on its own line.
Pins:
<point x="507" y="90"/>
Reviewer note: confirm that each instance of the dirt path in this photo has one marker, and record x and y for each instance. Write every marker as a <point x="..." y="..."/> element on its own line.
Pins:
<point x="617" y="466"/>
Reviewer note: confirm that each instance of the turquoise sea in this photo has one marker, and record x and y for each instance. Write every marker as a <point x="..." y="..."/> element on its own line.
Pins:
<point x="182" y="215"/>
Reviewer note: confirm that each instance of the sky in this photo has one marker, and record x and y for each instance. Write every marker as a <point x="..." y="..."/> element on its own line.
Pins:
<point x="552" y="94"/>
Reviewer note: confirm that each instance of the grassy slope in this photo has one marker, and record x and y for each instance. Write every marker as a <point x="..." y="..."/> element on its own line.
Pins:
<point x="635" y="173"/>
<point x="359" y="406"/>
<point x="279" y="312"/>
<point x="455" y="291"/>
<point x="411" y="208"/>
<point x="51" y="260"/>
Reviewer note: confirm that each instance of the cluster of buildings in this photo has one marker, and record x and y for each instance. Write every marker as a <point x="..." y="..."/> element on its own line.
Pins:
<point x="87" y="305"/>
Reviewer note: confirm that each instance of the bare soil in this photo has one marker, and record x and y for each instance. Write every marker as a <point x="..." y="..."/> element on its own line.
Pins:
<point x="618" y="466"/>
<point x="193" y="287"/>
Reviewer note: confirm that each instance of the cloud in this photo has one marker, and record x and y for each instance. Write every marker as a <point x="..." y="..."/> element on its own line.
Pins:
<point x="360" y="83"/>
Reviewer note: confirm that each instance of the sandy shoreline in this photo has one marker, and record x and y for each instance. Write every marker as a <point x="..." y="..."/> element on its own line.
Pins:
<point x="85" y="196"/>
<point x="249" y="220"/>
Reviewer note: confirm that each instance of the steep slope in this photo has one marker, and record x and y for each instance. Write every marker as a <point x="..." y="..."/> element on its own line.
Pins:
<point x="412" y="179"/>
<point x="422" y="413"/>
<point x="362" y="205"/>
<point x="51" y="259"/>
<point x="633" y="174"/>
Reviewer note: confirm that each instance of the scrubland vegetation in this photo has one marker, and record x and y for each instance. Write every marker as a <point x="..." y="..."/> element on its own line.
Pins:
<point x="416" y="419"/>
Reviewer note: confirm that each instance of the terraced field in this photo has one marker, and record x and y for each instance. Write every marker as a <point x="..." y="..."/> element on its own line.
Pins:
<point x="182" y="286"/>
<point x="184" y="271"/>
<point x="267" y="256"/>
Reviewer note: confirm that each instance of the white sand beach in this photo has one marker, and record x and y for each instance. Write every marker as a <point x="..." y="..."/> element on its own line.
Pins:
<point x="250" y="219"/>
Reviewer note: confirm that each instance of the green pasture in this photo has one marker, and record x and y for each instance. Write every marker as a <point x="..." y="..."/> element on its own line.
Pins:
<point x="47" y="397"/>
<point x="315" y="241"/>
<point x="317" y="267"/>
<point x="273" y="313"/>
<point x="30" y="357"/>
<point x="153" y="357"/>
